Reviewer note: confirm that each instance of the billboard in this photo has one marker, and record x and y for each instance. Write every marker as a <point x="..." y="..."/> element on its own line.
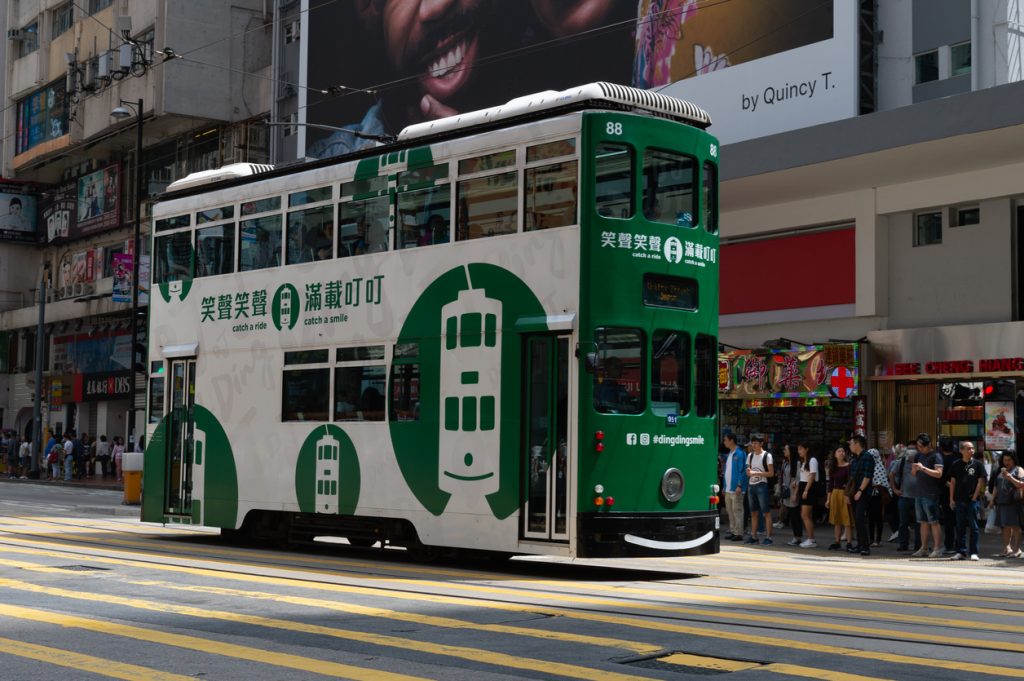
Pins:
<point x="373" y="68"/>
<point x="99" y="201"/>
<point x="17" y="213"/>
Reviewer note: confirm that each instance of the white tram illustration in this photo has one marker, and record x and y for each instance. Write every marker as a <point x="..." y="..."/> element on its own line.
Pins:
<point x="470" y="399"/>
<point x="286" y="307"/>
<point x="198" y="473"/>
<point x="327" y="461"/>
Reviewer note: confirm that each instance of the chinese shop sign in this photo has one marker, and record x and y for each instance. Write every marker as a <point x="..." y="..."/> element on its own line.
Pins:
<point x="803" y="372"/>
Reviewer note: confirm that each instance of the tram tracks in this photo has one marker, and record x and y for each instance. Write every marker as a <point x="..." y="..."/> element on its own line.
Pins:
<point x="522" y="596"/>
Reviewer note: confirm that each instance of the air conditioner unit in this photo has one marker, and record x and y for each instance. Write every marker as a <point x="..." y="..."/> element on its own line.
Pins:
<point x="67" y="291"/>
<point x="79" y="289"/>
<point x="15" y="34"/>
<point x="88" y="288"/>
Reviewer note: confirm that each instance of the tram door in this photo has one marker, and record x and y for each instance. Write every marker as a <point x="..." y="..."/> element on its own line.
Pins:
<point x="184" y="455"/>
<point x="546" y="438"/>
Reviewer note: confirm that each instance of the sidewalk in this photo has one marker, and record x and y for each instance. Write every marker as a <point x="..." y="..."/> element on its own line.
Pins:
<point x="90" y="482"/>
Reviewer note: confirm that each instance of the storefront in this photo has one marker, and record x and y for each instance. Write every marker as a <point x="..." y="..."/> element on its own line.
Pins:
<point x="956" y="382"/>
<point x="800" y="393"/>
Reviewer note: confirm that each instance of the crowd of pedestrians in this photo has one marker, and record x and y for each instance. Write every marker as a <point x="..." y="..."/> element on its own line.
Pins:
<point x="67" y="457"/>
<point x="935" y="501"/>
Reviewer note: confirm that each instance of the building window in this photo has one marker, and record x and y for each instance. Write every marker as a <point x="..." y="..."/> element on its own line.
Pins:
<point x="63" y="16"/>
<point x="960" y="59"/>
<point x="29" y="39"/>
<point x="98" y="5"/>
<point x="928" y="228"/>
<point x="926" y="67"/>
<point x="962" y="216"/>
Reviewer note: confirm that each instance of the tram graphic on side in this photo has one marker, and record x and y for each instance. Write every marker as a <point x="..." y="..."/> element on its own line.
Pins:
<point x="327" y="451"/>
<point x="470" y="437"/>
<point x="286" y="307"/>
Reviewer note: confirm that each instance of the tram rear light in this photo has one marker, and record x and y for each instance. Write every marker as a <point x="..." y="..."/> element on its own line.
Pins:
<point x="599" y="447"/>
<point x="609" y="501"/>
<point x="713" y="499"/>
<point x="599" y="435"/>
<point x="598" y="501"/>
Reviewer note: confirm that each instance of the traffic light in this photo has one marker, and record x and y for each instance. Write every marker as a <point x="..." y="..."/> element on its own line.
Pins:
<point x="140" y="357"/>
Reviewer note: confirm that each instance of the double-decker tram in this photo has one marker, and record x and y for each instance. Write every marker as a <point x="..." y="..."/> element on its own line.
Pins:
<point x="496" y="333"/>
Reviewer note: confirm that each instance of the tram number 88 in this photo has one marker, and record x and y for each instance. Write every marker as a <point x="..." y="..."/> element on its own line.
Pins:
<point x="613" y="128"/>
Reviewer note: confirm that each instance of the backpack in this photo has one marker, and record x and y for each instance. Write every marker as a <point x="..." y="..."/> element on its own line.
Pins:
<point x="770" y="479"/>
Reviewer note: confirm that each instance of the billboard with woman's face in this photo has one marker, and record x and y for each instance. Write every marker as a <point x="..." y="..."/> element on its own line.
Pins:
<point x="386" y="64"/>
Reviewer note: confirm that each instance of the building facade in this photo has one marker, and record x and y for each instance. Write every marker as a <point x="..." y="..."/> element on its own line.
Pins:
<point x="81" y="79"/>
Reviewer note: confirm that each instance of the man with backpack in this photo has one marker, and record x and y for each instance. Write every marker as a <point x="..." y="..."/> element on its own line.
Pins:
<point x="760" y="469"/>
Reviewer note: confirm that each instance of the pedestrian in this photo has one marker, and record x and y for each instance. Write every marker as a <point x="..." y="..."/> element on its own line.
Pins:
<point x="69" y="457"/>
<point x="117" y="452"/>
<point x="788" y="491"/>
<point x="947" y="516"/>
<point x="966" y="488"/>
<point x="760" y="468"/>
<point x="1009" y="482"/>
<point x="25" y="457"/>
<point x="53" y="452"/>
<point x="881" y="497"/>
<point x="904" y="487"/>
<point x="11" y="449"/>
<point x="103" y="455"/>
<point x="735" y="482"/>
<point x="837" y="502"/>
<point x="927" y="469"/>
<point x="807" y="491"/>
<point x="862" y="473"/>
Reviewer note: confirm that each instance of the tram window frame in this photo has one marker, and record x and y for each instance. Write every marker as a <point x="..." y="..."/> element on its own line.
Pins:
<point x="663" y="207"/>
<point x="206" y="267"/>
<point x="626" y="210"/>
<point x="210" y="215"/>
<point x="307" y="242"/>
<point x="163" y="270"/>
<point x="499" y="183"/>
<point x="544" y="158"/>
<point x="660" y="347"/>
<point x="405" y="369"/>
<point x="172" y="223"/>
<point x="268" y="204"/>
<point x="302" y="366"/>
<point x="605" y="366"/>
<point x="155" y="405"/>
<point x="705" y="384"/>
<point x="709" y="198"/>
<point x="353" y="362"/>
<point x="273" y="242"/>
<point x="365" y="231"/>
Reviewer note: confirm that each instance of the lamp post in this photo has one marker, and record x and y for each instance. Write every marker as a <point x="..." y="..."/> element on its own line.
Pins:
<point x="121" y="112"/>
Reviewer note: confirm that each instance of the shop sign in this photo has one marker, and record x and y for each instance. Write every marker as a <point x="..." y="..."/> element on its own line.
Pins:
<point x="812" y="371"/>
<point x="860" y="416"/>
<point x="102" y="387"/>
<point x="961" y="366"/>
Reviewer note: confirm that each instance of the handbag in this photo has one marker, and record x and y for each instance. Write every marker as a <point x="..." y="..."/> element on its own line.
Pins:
<point x="851" y="489"/>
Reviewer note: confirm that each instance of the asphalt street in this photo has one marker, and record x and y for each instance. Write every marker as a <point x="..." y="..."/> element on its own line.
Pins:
<point x="88" y="592"/>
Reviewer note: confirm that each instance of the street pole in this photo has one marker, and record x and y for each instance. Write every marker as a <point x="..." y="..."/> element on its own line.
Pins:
<point x="37" y="403"/>
<point x="136" y="256"/>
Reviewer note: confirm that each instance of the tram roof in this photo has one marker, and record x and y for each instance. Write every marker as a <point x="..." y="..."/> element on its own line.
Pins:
<point x="547" y="104"/>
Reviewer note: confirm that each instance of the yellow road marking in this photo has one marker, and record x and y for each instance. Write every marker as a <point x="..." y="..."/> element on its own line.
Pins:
<point x="620" y="620"/>
<point x="806" y="607"/>
<point x="86" y="663"/>
<point x="194" y="643"/>
<point x="717" y="664"/>
<point x="815" y="673"/>
<point x="462" y="652"/>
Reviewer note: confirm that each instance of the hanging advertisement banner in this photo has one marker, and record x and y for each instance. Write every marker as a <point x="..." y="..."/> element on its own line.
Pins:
<point x="812" y="371"/>
<point x="122" y="287"/>
<point x="99" y="201"/>
<point x="17" y="213"/>
<point x="999" y="426"/>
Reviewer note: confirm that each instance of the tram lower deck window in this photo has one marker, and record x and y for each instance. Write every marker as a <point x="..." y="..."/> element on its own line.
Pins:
<point x="618" y="380"/>
<point x="305" y="395"/>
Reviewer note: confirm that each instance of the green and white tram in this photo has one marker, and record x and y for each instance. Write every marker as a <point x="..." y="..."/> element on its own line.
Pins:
<point x="497" y="333"/>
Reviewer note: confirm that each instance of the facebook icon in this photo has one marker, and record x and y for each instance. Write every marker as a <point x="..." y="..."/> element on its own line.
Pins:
<point x="630" y="438"/>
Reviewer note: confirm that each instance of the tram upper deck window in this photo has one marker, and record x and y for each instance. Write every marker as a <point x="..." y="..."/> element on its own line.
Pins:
<point x="310" y="235"/>
<point x="364" y="226"/>
<point x="215" y="250"/>
<point x="613" y="173"/>
<point x="618" y="381"/>
<point x="668" y="188"/>
<point x="670" y="373"/>
<point x="550" y="189"/>
<point x="172" y="257"/>
<point x="424" y="207"/>
<point x="487" y="206"/>
<point x="709" y="200"/>
<point x="260" y="244"/>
